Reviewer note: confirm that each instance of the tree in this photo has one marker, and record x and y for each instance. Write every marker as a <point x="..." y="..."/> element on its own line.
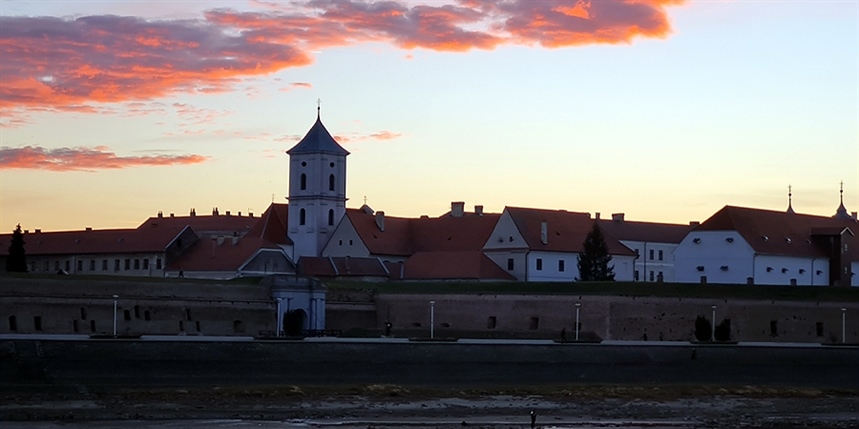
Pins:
<point x="594" y="260"/>
<point x="723" y="331"/>
<point x="703" y="329"/>
<point x="17" y="260"/>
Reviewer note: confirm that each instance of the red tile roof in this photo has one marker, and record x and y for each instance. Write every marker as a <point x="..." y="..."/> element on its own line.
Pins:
<point x="149" y="240"/>
<point x="205" y="225"/>
<point x="780" y="233"/>
<point x="207" y="255"/>
<point x="272" y="225"/>
<point x="645" y="231"/>
<point x="404" y="236"/>
<point x="342" y="267"/>
<point x="451" y="265"/>
<point x="566" y="230"/>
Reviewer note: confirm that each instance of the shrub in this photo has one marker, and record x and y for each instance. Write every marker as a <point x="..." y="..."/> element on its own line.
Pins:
<point x="703" y="328"/>
<point x="723" y="330"/>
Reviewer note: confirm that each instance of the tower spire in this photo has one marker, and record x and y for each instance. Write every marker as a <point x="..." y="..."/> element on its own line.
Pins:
<point x="790" y="199"/>
<point x="318" y="108"/>
<point x="841" y="213"/>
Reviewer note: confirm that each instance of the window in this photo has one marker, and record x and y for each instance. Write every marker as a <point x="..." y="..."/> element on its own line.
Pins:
<point x="146" y="264"/>
<point x="136" y="311"/>
<point x="660" y="255"/>
<point x="659" y="276"/>
<point x="773" y="328"/>
<point x="303" y="182"/>
<point x="158" y="264"/>
<point x="561" y="266"/>
<point x="92" y="325"/>
<point x="127" y="264"/>
<point x="80" y="265"/>
<point x="83" y="313"/>
<point x="238" y="326"/>
<point x="13" y="323"/>
<point x="340" y="243"/>
<point x="76" y="326"/>
<point x="92" y="264"/>
<point x="47" y="265"/>
<point x="651" y="276"/>
<point x="651" y="254"/>
<point x="56" y="265"/>
<point x="137" y="264"/>
<point x="330" y="217"/>
<point x="539" y="264"/>
<point x="104" y="264"/>
<point x="116" y="265"/>
<point x="37" y="323"/>
<point x="126" y="315"/>
<point x="490" y="323"/>
<point x="535" y="323"/>
<point x="146" y="315"/>
<point x="635" y="275"/>
<point x="509" y="264"/>
<point x="819" y="326"/>
<point x="68" y="266"/>
<point x="302" y="217"/>
<point x="330" y="182"/>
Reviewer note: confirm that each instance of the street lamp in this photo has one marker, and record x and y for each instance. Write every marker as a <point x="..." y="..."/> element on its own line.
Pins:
<point x="115" y="297"/>
<point x="277" y="318"/>
<point x="713" y="327"/>
<point x="432" y="319"/>
<point x="578" y="307"/>
<point x="843" y="325"/>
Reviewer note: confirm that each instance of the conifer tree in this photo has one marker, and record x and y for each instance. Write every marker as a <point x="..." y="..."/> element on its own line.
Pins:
<point x="17" y="260"/>
<point x="594" y="261"/>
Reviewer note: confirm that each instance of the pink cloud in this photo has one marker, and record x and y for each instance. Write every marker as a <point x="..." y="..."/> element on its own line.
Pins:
<point x="65" y="64"/>
<point x="295" y="85"/>
<point x="84" y="159"/>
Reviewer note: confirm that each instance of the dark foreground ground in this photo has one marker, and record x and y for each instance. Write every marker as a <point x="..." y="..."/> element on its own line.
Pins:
<point x="360" y="384"/>
<point x="393" y="406"/>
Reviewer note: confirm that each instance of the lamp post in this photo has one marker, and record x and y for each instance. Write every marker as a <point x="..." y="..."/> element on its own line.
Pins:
<point x="713" y="327"/>
<point x="843" y="325"/>
<point x="578" y="307"/>
<point x="277" y="319"/>
<point x="115" y="297"/>
<point x="432" y="319"/>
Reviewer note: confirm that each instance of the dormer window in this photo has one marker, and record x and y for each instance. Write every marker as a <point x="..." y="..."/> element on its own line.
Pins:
<point x="730" y="239"/>
<point x="783" y="270"/>
<point x="787" y="240"/>
<point x="765" y="238"/>
<point x="769" y="269"/>
<point x="700" y="268"/>
<point x="724" y="268"/>
<point x="802" y="270"/>
<point x="819" y="272"/>
<point x="696" y="240"/>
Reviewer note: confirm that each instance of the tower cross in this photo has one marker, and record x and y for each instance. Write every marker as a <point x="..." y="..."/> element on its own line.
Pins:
<point x="318" y="106"/>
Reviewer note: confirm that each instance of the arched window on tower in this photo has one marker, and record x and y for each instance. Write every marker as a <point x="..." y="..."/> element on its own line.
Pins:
<point x="302" y="217"/>
<point x="303" y="182"/>
<point x="331" y="217"/>
<point x="331" y="182"/>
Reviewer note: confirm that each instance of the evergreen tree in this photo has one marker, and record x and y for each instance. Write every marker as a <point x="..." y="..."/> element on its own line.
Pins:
<point x="17" y="260"/>
<point x="594" y="261"/>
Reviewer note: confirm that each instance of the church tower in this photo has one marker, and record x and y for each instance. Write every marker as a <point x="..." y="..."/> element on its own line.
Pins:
<point x="317" y="190"/>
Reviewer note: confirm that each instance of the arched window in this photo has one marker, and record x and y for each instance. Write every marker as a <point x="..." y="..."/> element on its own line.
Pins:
<point x="303" y="182"/>
<point x="331" y="217"/>
<point x="302" y="217"/>
<point x="331" y="182"/>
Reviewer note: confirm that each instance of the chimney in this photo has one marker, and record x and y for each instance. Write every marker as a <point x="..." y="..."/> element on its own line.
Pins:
<point x="160" y="213"/>
<point x="544" y="232"/>
<point x="478" y="210"/>
<point x="88" y="229"/>
<point x="193" y="212"/>
<point x="618" y="217"/>
<point x="172" y="215"/>
<point x="240" y="214"/>
<point x="597" y="214"/>
<point x="38" y="230"/>
<point x="457" y="208"/>
<point x="380" y="220"/>
<point x="250" y="214"/>
<point x="214" y="211"/>
<point x="694" y="223"/>
<point x="228" y="212"/>
<point x="855" y="215"/>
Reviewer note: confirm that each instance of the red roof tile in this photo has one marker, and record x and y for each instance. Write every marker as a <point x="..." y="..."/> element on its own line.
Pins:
<point x="645" y="231"/>
<point x="451" y="265"/>
<point x="205" y="225"/>
<point x="780" y="233"/>
<point x="272" y="225"/>
<point x="150" y="240"/>
<point x="394" y="240"/>
<point x="207" y="255"/>
<point x="566" y="230"/>
<point x="342" y="267"/>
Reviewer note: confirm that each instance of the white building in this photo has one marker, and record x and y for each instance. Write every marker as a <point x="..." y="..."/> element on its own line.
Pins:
<point x="653" y="243"/>
<point x="543" y="245"/>
<point x="745" y="245"/>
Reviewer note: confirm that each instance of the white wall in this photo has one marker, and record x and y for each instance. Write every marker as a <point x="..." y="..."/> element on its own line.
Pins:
<point x="345" y="241"/>
<point x="647" y="265"/>
<point x="780" y="270"/>
<point x="723" y="256"/>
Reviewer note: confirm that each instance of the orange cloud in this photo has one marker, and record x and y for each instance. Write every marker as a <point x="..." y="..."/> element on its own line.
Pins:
<point x="295" y="85"/>
<point x="84" y="159"/>
<point x="58" y="63"/>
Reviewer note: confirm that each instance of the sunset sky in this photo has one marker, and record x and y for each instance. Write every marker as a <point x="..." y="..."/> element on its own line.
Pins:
<point x="666" y="110"/>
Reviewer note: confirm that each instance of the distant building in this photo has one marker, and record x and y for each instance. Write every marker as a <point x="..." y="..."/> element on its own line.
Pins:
<point x="653" y="243"/>
<point x="746" y="245"/>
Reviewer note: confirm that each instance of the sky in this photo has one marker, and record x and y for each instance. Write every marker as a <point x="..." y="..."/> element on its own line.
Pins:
<point x="665" y="110"/>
